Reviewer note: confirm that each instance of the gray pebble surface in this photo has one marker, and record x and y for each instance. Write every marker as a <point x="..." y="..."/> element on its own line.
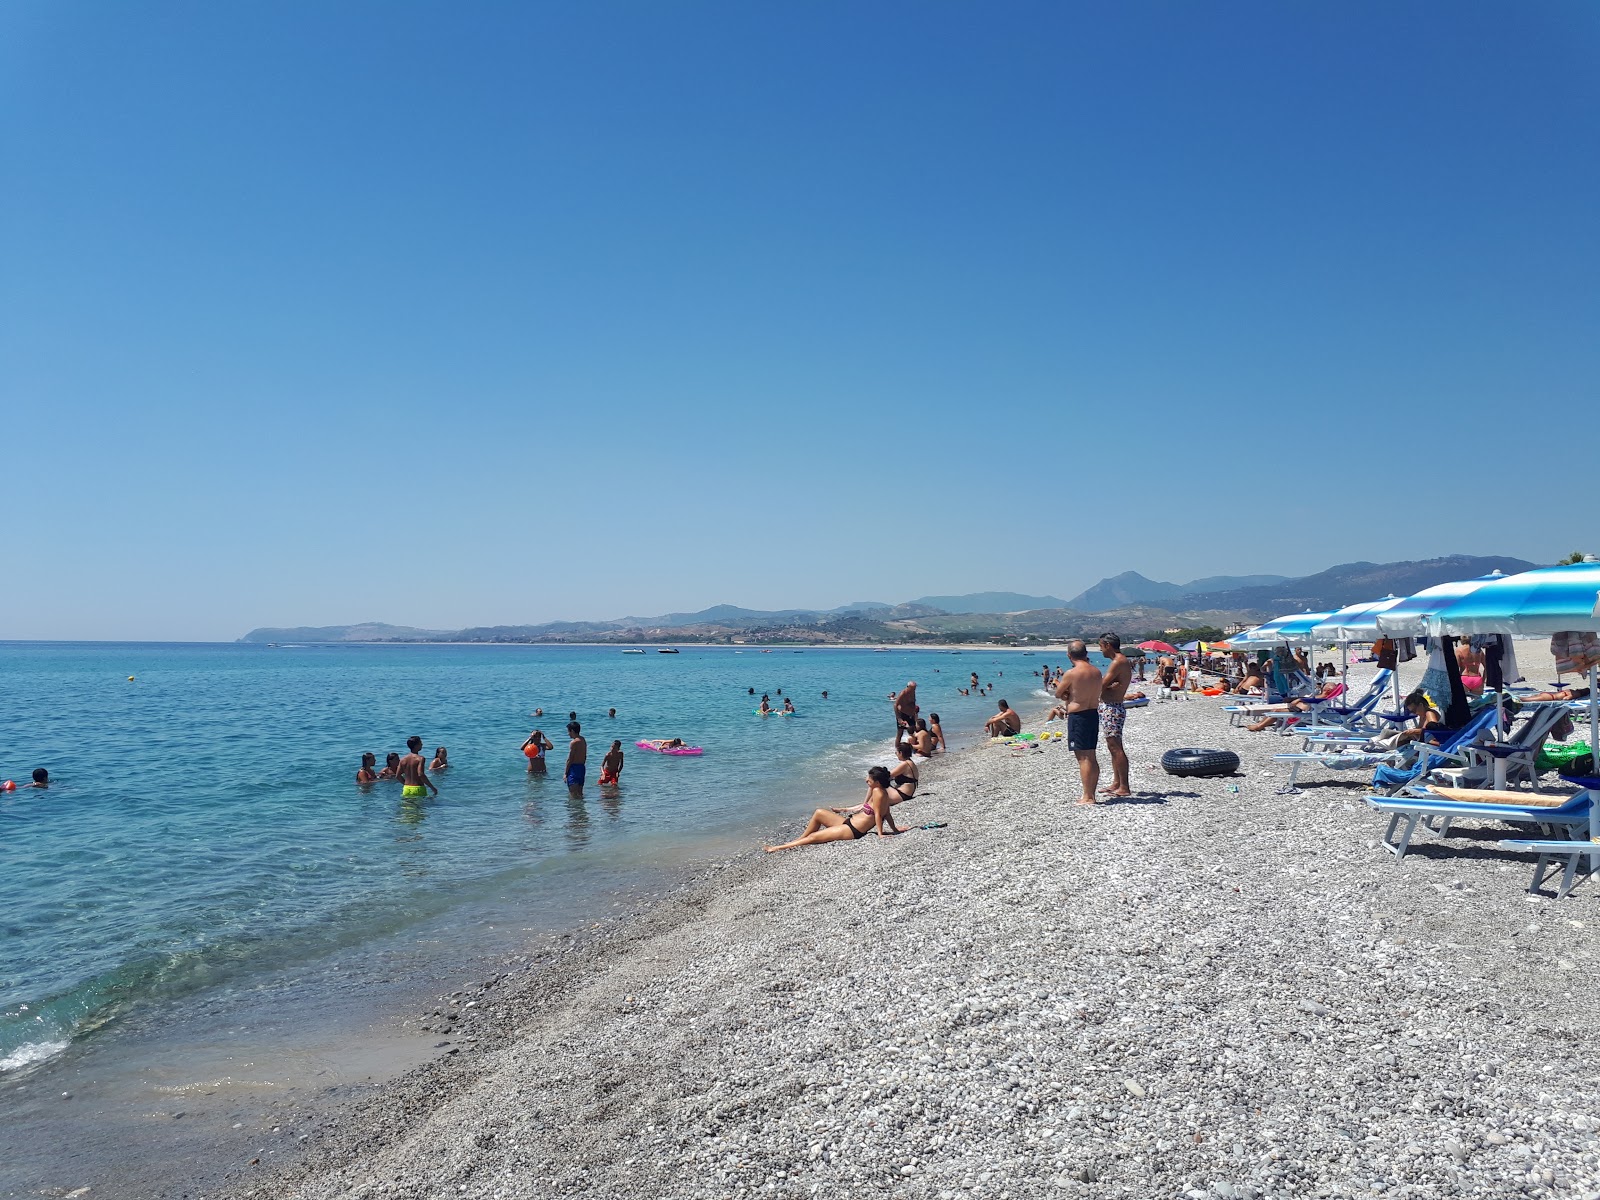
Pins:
<point x="1199" y="993"/>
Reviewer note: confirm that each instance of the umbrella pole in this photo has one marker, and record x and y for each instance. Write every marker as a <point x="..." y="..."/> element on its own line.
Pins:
<point x="1594" y="751"/>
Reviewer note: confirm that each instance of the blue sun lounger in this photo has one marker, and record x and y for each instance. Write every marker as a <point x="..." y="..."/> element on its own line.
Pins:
<point x="1389" y="774"/>
<point x="1560" y="817"/>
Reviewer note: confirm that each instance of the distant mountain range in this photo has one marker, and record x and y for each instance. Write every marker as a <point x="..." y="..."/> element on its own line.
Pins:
<point x="1128" y="602"/>
<point x="1133" y="588"/>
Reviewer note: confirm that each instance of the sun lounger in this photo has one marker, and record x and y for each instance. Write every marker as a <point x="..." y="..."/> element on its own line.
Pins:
<point x="1553" y="854"/>
<point x="1439" y="808"/>
<point x="1512" y="760"/>
<point x="1389" y="772"/>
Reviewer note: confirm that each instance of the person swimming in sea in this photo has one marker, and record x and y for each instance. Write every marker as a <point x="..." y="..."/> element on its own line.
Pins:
<point x="391" y="766"/>
<point x="413" y="771"/>
<point x="41" y="779"/>
<point x="611" y="766"/>
<point x="534" y="747"/>
<point x="828" y="826"/>
<point x="788" y="705"/>
<point x="441" y="759"/>
<point x="766" y="705"/>
<point x="369" y="768"/>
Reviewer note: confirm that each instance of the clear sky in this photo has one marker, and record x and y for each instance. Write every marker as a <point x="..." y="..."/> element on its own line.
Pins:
<point x="470" y="313"/>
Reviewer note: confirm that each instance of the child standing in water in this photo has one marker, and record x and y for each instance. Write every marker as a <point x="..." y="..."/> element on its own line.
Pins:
<point x="369" y="768"/>
<point x="534" y="748"/>
<point x="611" y="766"/>
<point x="441" y="760"/>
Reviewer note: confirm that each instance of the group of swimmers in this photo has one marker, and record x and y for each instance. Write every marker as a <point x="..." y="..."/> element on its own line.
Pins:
<point x="410" y="769"/>
<point x="535" y="745"/>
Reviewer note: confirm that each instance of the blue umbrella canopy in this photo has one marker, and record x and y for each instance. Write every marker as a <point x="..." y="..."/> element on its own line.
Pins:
<point x="1354" y="622"/>
<point x="1291" y="630"/>
<point x="1407" y="618"/>
<point x="1542" y="601"/>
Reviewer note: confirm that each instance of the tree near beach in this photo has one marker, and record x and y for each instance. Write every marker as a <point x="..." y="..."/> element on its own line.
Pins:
<point x="1577" y="556"/>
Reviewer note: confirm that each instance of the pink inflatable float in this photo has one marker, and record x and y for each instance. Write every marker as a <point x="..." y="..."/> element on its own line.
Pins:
<point x="661" y="748"/>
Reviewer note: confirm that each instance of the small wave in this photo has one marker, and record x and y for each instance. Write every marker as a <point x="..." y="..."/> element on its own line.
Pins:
<point x="30" y="1053"/>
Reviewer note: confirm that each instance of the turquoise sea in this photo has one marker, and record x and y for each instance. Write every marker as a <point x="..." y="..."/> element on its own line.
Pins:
<point x="204" y="830"/>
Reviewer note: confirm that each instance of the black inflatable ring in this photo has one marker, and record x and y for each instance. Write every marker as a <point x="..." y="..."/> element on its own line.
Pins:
<point x="1193" y="761"/>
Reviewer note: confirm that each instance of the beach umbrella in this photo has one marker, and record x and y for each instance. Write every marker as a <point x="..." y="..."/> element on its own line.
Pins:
<point x="1161" y="646"/>
<point x="1291" y="630"/>
<point x="1407" y="618"/>
<point x="1348" y="625"/>
<point x="1544" y="601"/>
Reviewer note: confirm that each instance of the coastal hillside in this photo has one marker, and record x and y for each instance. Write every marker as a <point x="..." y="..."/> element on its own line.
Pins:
<point x="1128" y="603"/>
<point x="1351" y="583"/>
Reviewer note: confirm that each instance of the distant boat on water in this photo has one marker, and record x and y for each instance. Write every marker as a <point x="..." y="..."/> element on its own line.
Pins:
<point x="633" y="651"/>
<point x="668" y="650"/>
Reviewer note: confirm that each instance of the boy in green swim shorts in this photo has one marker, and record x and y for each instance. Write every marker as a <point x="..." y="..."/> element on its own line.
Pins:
<point x="413" y="771"/>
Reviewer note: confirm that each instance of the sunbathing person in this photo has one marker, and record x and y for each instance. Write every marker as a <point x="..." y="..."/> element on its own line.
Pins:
<point x="1253" y="683"/>
<point x="1560" y="693"/>
<point x="1427" y="720"/>
<point x="923" y="740"/>
<point x="828" y="826"/>
<point x="903" y="775"/>
<point x="667" y="743"/>
<point x="1277" y="712"/>
<point x="1004" y="723"/>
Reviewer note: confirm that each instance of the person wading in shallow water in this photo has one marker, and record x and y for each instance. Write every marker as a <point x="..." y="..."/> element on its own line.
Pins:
<point x="1113" y="691"/>
<point x="413" y="771"/>
<point x="1080" y="688"/>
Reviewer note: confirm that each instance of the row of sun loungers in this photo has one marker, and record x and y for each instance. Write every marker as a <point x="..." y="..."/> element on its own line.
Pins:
<point x="1465" y="775"/>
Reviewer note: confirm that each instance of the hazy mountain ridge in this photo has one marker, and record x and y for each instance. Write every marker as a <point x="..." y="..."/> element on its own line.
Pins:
<point x="1136" y="604"/>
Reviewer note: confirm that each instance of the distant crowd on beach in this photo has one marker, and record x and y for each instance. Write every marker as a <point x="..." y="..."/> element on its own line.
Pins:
<point x="1092" y="702"/>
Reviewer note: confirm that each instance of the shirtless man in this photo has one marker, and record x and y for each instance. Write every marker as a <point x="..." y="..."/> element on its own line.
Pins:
<point x="1113" y="691"/>
<point x="1080" y="688"/>
<point x="1004" y="723"/>
<point x="905" y="710"/>
<point x="577" y="759"/>
<point x="413" y="771"/>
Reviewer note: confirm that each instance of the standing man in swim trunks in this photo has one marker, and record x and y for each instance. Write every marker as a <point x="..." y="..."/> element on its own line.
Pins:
<point x="905" y="711"/>
<point x="577" y="759"/>
<point x="1080" y="686"/>
<point x="413" y="771"/>
<point x="1113" y="715"/>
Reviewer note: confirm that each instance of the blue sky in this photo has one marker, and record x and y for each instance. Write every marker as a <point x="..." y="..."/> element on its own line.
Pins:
<point x="481" y="313"/>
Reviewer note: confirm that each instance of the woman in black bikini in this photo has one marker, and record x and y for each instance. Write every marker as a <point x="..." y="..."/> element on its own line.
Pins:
<point x="828" y="826"/>
<point x="903" y="775"/>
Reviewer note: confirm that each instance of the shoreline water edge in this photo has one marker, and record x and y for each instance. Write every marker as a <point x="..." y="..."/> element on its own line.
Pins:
<point x="1209" y="990"/>
<point x="181" y="1078"/>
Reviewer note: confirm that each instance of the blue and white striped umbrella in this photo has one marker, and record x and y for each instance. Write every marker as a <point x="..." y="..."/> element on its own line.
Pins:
<point x="1543" y="601"/>
<point x="1407" y="618"/>
<point x="1546" y="600"/>
<point x="1354" y="622"/>
<point x="1291" y="630"/>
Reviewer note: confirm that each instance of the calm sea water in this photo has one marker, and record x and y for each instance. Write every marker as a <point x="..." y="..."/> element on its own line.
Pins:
<point x="203" y="826"/>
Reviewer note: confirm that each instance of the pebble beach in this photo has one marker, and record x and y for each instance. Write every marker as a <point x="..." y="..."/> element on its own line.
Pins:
<point x="1211" y="990"/>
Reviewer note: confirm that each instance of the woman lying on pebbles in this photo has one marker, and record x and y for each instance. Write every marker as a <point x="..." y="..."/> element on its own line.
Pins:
<point x="828" y="826"/>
